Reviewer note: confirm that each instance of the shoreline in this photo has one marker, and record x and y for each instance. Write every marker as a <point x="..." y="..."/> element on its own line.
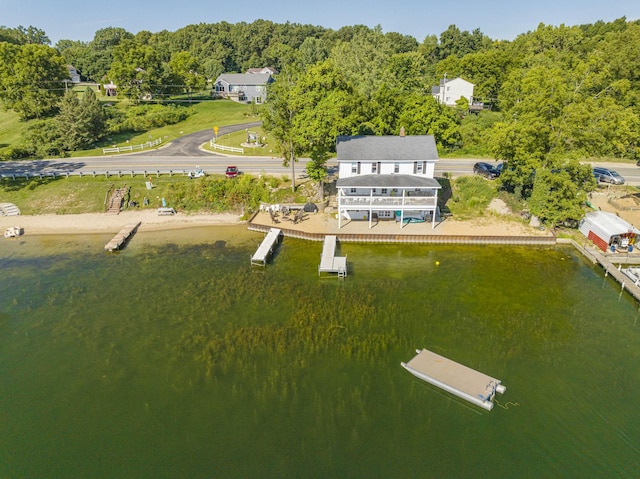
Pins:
<point x="95" y="223"/>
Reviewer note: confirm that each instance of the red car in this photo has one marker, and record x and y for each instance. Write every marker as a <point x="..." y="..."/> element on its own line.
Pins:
<point x="232" y="172"/>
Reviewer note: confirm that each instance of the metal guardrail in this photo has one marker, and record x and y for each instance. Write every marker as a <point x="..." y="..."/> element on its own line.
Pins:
<point x="232" y="149"/>
<point x="120" y="149"/>
<point x="106" y="173"/>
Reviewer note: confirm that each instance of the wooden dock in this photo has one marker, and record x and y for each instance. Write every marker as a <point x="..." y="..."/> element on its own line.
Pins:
<point x="261" y="256"/>
<point x="460" y="380"/>
<point x="608" y="263"/>
<point x="119" y="240"/>
<point x="329" y="262"/>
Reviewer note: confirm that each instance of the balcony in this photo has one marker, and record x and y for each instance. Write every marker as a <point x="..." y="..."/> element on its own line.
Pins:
<point x="387" y="202"/>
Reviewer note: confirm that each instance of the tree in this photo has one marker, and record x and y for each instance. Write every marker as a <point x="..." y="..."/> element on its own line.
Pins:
<point x="455" y="42"/>
<point x="278" y="115"/>
<point x="363" y="59"/>
<point x="93" y="115"/>
<point x="31" y="79"/>
<point x="24" y="36"/>
<point x="95" y="61"/>
<point x="187" y="69"/>
<point x="80" y="122"/>
<point x="327" y="107"/>
<point x="70" y="126"/>
<point x="136" y="70"/>
<point x="559" y="193"/>
<point x="423" y="115"/>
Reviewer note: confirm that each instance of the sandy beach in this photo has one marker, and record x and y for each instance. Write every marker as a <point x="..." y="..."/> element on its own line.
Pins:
<point x="106" y="223"/>
<point x="89" y="223"/>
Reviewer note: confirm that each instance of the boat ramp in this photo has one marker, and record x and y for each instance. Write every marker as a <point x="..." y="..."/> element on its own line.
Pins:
<point x="329" y="262"/>
<point x="121" y="238"/>
<point x="460" y="380"/>
<point x="261" y="256"/>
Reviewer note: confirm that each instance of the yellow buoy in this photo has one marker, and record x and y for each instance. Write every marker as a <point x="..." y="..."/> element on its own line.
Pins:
<point x="437" y="263"/>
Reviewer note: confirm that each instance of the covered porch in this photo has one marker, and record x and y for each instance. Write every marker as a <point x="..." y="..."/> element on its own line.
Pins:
<point x="405" y="198"/>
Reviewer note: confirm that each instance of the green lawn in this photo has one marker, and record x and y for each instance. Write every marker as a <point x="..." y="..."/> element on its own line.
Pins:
<point x="205" y="115"/>
<point x="10" y="128"/>
<point x="237" y="138"/>
<point x="75" y="195"/>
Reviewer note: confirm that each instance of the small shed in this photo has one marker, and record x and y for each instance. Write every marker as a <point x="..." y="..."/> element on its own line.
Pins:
<point x="608" y="231"/>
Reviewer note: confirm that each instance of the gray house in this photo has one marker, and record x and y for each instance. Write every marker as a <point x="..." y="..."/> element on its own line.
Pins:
<point x="242" y="87"/>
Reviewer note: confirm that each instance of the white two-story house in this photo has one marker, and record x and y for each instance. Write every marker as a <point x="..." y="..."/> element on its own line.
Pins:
<point x="450" y="91"/>
<point x="387" y="177"/>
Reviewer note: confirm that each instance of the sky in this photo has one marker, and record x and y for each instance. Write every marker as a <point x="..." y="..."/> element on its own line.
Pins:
<point x="498" y="19"/>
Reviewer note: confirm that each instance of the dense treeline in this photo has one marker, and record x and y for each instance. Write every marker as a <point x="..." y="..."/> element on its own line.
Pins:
<point x="557" y="94"/>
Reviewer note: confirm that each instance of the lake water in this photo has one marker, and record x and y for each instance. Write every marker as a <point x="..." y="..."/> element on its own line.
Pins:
<point x="176" y="358"/>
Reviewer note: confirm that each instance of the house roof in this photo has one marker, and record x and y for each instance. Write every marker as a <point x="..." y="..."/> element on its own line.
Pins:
<point x="271" y="70"/>
<point x="386" y="148"/>
<point x="387" y="181"/>
<point x="244" y="78"/>
<point x="609" y="223"/>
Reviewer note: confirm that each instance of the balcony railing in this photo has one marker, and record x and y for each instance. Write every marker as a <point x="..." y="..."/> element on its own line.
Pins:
<point x="415" y="202"/>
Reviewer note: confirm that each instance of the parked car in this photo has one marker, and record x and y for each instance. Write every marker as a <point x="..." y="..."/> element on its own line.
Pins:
<point x="485" y="169"/>
<point x="232" y="172"/>
<point x="197" y="173"/>
<point x="605" y="175"/>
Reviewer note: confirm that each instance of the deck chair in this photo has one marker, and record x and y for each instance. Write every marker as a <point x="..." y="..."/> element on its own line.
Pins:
<point x="273" y="217"/>
<point x="298" y="217"/>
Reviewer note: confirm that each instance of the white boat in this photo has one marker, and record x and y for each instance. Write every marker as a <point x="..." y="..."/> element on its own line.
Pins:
<point x="13" y="232"/>
<point x="633" y="273"/>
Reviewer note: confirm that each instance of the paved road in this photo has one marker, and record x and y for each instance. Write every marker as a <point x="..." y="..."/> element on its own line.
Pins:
<point x="189" y="145"/>
<point x="184" y="153"/>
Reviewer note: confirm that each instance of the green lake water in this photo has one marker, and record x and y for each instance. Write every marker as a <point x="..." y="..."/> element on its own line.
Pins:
<point x="176" y="359"/>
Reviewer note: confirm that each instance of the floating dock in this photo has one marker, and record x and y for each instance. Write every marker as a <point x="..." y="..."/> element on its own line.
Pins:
<point x="121" y="238"/>
<point x="464" y="382"/>
<point x="267" y="246"/>
<point x="329" y="262"/>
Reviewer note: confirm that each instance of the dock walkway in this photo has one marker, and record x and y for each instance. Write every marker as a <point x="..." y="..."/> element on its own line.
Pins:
<point x="121" y="238"/>
<point x="460" y="380"/>
<point x="267" y="246"/>
<point x="329" y="262"/>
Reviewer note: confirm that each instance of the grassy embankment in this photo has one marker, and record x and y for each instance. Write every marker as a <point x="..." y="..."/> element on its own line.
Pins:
<point x="214" y="193"/>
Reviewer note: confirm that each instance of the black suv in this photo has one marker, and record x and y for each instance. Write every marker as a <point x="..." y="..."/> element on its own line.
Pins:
<point x="486" y="170"/>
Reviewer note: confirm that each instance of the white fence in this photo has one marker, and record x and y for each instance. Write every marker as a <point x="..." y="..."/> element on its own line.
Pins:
<point x="120" y="149"/>
<point x="232" y="149"/>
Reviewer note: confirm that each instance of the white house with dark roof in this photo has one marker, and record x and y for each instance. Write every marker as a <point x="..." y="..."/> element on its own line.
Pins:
<point x="387" y="177"/>
<point x="244" y="87"/>
<point x="450" y="91"/>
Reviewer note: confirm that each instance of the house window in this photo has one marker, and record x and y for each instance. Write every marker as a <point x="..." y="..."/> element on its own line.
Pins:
<point x="354" y="168"/>
<point x="396" y="168"/>
<point x="418" y="167"/>
<point x="374" y="167"/>
<point x="354" y="191"/>
<point x="384" y="191"/>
